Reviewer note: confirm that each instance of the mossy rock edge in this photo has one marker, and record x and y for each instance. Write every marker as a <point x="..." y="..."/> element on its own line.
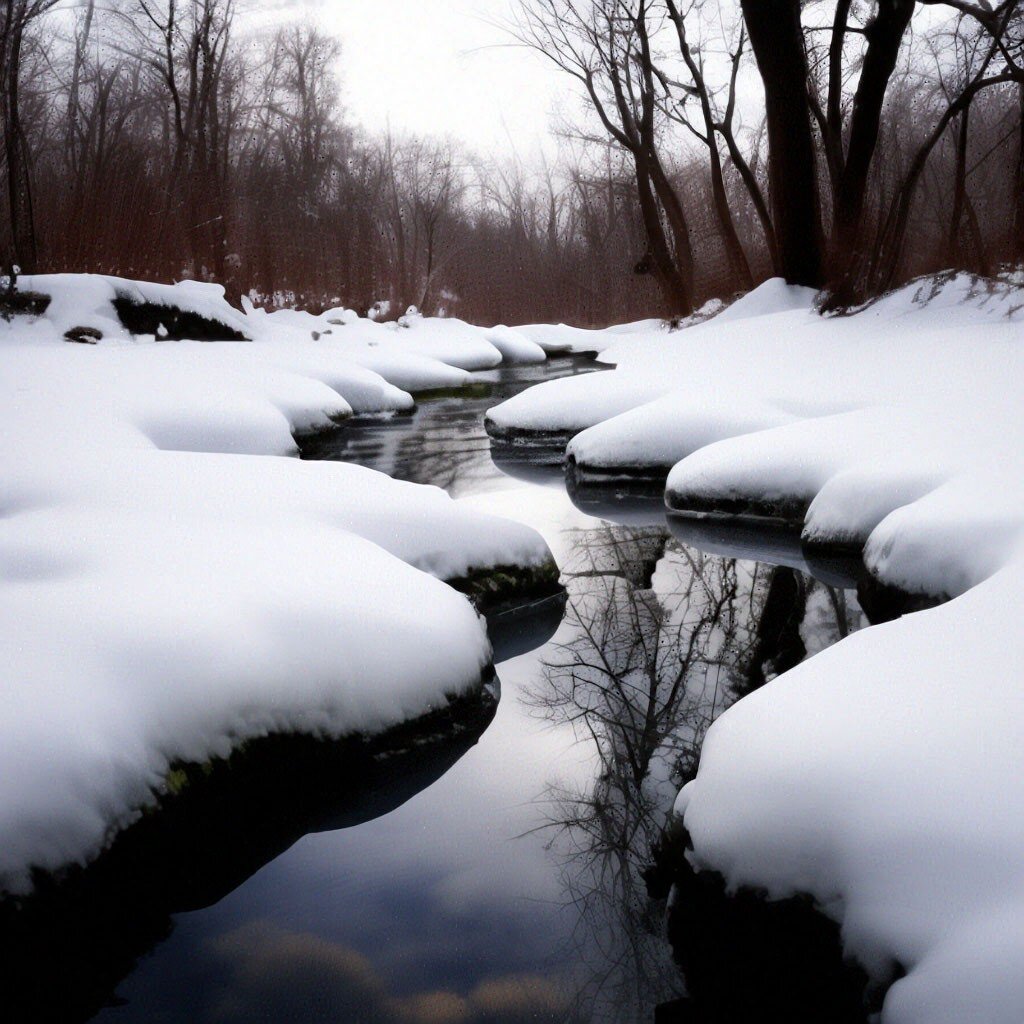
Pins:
<point x="67" y="946"/>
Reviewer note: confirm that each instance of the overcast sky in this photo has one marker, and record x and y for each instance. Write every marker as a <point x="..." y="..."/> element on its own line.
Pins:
<point x="441" y="67"/>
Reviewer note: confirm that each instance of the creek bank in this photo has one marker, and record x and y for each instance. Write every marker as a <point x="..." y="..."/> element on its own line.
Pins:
<point x="213" y="826"/>
<point x="746" y="958"/>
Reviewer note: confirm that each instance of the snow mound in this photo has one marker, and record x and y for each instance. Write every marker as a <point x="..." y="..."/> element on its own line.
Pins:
<point x="514" y="346"/>
<point x="882" y="775"/>
<point x="167" y="607"/>
<point x="167" y="591"/>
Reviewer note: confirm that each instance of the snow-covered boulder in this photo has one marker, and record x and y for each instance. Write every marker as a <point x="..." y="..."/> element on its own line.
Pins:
<point x="514" y="346"/>
<point x="169" y="591"/>
<point x="118" y="307"/>
<point x="878" y="777"/>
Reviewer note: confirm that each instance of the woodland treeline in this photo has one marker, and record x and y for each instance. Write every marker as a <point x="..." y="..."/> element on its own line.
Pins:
<point x="844" y="144"/>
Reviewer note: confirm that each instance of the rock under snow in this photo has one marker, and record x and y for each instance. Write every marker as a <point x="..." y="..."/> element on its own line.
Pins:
<point x="882" y="776"/>
<point x="168" y="590"/>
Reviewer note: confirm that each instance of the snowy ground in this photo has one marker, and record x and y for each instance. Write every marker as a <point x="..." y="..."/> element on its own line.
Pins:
<point x="882" y="776"/>
<point x="167" y="590"/>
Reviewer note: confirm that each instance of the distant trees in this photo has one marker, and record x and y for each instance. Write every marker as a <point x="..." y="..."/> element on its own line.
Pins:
<point x="839" y="78"/>
<point x="156" y="138"/>
<point x="605" y="45"/>
<point x="844" y="143"/>
<point x="185" y="48"/>
<point x="18" y="18"/>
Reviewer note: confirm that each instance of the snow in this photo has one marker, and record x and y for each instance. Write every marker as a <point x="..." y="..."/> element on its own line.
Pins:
<point x="414" y="354"/>
<point x="514" y="346"/>
<point x="846" y="418"/>
<point x="168" y="589"/>
<point x="882" y="776"/>
<point x="563" y="339"/>
<point x="568" y="404"/>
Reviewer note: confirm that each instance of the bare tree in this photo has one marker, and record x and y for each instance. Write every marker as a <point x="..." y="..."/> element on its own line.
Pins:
<point x="17" y="19"/>
<point x="645" y="669"/>
<point x="714" y="125"/>
<point x="187" y="47"/>
<point x="606" y="46"/>
<point x="776" y="37"/>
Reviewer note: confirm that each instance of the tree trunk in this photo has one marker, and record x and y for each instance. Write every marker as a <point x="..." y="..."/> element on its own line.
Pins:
<point x="658" y="260"/>
<point x="738" y="265"/>
<point x="676" y="216"/>
<point x="1017" y="242"/>
<point x="884" y="35"/>
<point x="777" y="40"/>
<point x="953" y="247"/>
<point x="23" y="233"/>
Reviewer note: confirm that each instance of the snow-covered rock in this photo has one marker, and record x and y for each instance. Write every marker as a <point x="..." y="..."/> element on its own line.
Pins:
<point x="881" y="776"/>
<point x="567" y="405"/>
<point x="514" y="346"/>
<point x="169" y="591"/>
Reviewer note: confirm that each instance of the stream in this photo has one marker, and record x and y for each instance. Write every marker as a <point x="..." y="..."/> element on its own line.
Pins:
<point x="510" y="889"/>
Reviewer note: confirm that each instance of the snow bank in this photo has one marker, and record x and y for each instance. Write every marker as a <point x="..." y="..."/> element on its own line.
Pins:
<point x="651" y="362"/>
<point x="170" y="606"/>
<point x="562" y="339"/>
<point x="881" y="776"/>
<point x="414" y="354"/>
<point x="772" y="409"/>
<point x="514" y="346"/>
<point x="167" y="591"/>
<point x="448" y="341"/>
<point x="765" y="360"/>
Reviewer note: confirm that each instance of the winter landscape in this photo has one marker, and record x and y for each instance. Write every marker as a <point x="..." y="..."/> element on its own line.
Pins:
<point x="512" y="510"/>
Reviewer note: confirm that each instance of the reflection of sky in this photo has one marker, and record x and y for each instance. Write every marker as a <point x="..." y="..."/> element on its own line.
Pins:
<point x="445" y="893"/>
<point x="451" y="907"/>
<point x="438" y="894"/>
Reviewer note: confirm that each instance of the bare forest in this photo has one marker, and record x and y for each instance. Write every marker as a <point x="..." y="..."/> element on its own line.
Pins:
<point x="843" y="144"/>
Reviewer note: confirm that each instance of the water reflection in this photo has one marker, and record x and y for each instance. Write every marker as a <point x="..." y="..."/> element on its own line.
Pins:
<point x="512" y="888"/>
<point x="274" y="975"/>
<point x="659" y="639"/>
<point x="65" y="950"/>
<point x="766" y="541"/>
<point x="443" y="441"/>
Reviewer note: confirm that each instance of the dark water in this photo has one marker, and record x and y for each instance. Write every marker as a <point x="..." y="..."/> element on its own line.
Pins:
<point x="510" y="889"/>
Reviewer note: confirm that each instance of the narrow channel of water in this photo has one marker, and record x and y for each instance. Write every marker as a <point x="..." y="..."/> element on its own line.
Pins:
<point x="510" y="889"/>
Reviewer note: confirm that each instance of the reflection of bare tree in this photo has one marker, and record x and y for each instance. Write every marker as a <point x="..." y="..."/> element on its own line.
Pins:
<point x="661" y="639"/>
<point x="443" y="442"/>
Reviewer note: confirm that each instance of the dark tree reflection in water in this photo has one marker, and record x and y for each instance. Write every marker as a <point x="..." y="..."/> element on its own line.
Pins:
<point x="659" y="639"/>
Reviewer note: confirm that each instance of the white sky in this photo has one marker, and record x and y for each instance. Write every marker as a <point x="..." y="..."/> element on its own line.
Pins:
<point x="442" y="67"/>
